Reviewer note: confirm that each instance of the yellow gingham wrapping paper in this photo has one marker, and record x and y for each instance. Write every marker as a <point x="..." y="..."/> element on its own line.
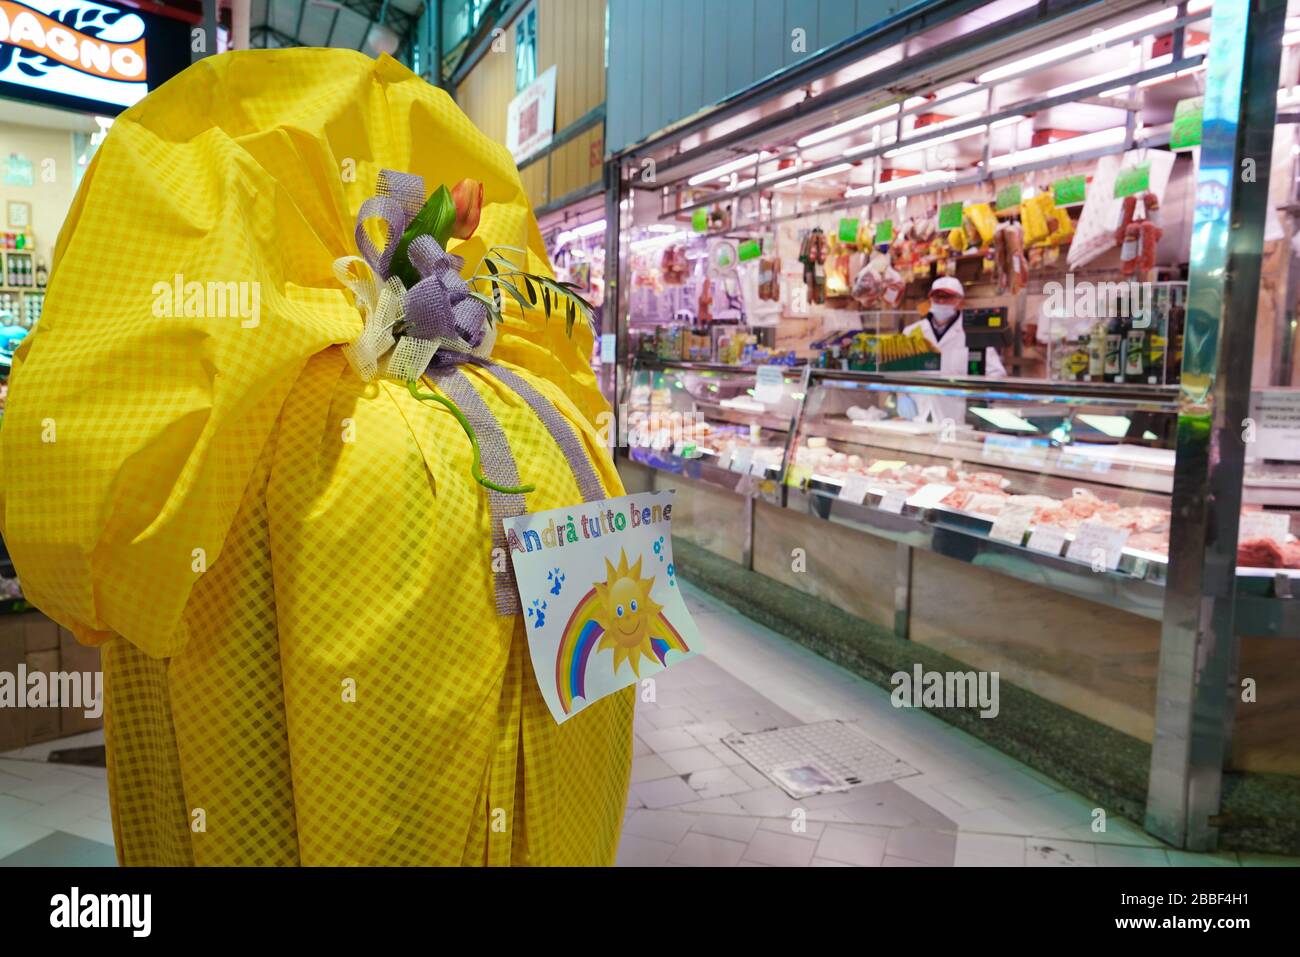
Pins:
<point x="345" y="544"/>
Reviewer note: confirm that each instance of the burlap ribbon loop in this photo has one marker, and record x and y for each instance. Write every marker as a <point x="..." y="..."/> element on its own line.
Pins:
<point x="431" y="330"/>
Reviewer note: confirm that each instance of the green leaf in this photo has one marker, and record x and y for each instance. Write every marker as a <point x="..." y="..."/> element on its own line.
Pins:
<point x="436" y="218"/>
<point x="546" y="301"/>
<point x="531" y="289"/>
<point x="514" y="294"/>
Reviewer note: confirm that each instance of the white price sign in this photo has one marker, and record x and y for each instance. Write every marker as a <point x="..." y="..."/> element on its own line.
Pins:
<point x="1011" y="524"/>
<point x="741" y="459"/>
<point x="1274" y="525"/>
<point x="1048" y="539"/>
<point x="853" y="490"/>
<point x="928" y="496"/>
<point x="1098" y="545"/>
<point x="893" y="501"/>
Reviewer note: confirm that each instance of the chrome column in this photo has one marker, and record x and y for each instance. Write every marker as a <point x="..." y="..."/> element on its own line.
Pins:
<point x="1198" y="644"/>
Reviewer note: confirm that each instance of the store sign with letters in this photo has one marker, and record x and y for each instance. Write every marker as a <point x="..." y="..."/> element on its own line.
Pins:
<point x="530" y="118"/>
<point x="59" y="51"/>
<point x="602" y="606"/>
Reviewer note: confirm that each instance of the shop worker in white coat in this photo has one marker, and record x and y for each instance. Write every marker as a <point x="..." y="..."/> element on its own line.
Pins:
<point x="942" y="326"/>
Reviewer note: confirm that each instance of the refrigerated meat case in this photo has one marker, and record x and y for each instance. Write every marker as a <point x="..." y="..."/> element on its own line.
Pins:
<point x="1064" y="485"/>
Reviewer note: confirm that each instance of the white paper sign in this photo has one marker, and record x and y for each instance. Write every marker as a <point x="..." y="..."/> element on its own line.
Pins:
<point x="741" y="459"/>
<point x="928" y="496"/>
<point x="853" y="490"/>
<point x="1274" y="525"/>
<point x="530" y="118"/>
<point x="893" y="501"/>
<point x="769" y="384"/>
<point x="1012" y="523"/>
<point x="608" y="347"/>
<point x="1276" y="413"/>
<point x="1097" y="544"/>
<point x="599" y="591"/>
<point x="1047" y="539"/>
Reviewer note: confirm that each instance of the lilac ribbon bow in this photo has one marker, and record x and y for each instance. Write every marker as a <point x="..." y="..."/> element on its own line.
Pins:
<point x="442" y="326"/>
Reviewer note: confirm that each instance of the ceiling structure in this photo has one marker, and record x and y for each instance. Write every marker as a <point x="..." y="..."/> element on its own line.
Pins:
<point x="332" y="23"/>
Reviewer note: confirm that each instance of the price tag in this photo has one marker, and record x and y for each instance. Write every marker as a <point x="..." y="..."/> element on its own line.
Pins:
<point x="1186" y="130"/>
<point x="749" y="249"/>
<point x="848" y="232"/>
<point x="885" y="232"/>
<point x="769" y="384"/>
<point x="1274" y="525"/>
<point x="853" y="490"/>
<point x="608" y="344"/>
<point x="928" y="496"/>
<point x="723" y="461"/>
<point x="1098" y="545"/>
<point x="758" y="469"/>
<point x="1069" y="190"/>
<point x="1007" y="197"/>
<point x="700" y="220"/>
<point x="1047" y="539"/>
<point x="1011" y="524"/>
<point x="950" y="216"/>
<point x="893" y="501"/>
<point x="1136" y="179"/>
<point x="741" y="459"/>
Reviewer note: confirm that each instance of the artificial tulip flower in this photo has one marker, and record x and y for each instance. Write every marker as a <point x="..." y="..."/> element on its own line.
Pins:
<point x="468" y="197"/>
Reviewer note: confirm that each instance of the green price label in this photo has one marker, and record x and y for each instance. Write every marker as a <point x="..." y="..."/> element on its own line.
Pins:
<point x="749" y="249"/>
<point x="885" y="232"/>
<point x="1135" y="180"/>
<point x="700" y="220"/>
<point x="1186" y="131"/>
<point x="1008" y="197"/>
<point x="848" y="230"/>
<point x="1069" y="190"/>
<point x="950" y="216"/>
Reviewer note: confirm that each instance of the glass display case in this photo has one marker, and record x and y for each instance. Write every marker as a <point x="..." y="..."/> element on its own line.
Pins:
<point x="1064" y="486"/>
<point x="713" y="422"/>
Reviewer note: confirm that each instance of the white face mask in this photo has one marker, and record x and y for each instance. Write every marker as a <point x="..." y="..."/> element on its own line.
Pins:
<point x="944" y="312"/>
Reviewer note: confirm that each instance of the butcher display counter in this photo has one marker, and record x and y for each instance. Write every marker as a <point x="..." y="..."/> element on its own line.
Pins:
<point x="1063" y="485"/>
<point x="715" y="423"/>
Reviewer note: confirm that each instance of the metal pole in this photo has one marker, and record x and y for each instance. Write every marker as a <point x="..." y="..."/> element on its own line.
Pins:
<point x="209" y="28"/>
<point x="1197" y="642"/>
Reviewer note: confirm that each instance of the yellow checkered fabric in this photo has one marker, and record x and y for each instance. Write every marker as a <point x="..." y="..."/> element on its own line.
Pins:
<point x="290" y="571"/>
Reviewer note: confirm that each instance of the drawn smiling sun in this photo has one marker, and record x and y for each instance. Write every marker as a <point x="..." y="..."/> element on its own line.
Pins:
<point x="626" y="612"/>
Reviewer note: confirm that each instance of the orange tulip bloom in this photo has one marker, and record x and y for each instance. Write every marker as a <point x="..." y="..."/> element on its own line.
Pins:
<point x="468" y="197"/>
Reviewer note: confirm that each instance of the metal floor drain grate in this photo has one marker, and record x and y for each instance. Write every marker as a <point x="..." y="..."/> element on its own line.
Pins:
<point x="815" y="758"/>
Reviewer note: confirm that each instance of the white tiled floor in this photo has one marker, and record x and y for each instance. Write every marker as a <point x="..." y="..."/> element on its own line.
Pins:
<point x="695" y="803"/>
<point x="969" y="805"/>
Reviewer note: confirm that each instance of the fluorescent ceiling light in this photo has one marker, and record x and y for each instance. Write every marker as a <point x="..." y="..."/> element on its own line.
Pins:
<point x="1091" y="42"/>
<point x="828" y="171"/>
<point x="1075" y="144"/>
<point x="848" y="126"/>
<point x="661" y="240"/>
<point x="860" y="191"/>
<point x="907" y="149"/>
<point x="884" y="141"/>
<point x="1091" y="81"/>
<point x="740" y="184"/>
<point x="662" y="228"/>
<point x="720" y="171"/>
<point x="1157" y="80"/>
<point x="937" y="177"/>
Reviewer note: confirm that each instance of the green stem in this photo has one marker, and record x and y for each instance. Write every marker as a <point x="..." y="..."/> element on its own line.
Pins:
<point x="476" y="468"/>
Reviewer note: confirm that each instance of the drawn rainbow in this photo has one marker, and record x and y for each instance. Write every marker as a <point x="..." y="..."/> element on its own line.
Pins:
<point x="582" y="634"/>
